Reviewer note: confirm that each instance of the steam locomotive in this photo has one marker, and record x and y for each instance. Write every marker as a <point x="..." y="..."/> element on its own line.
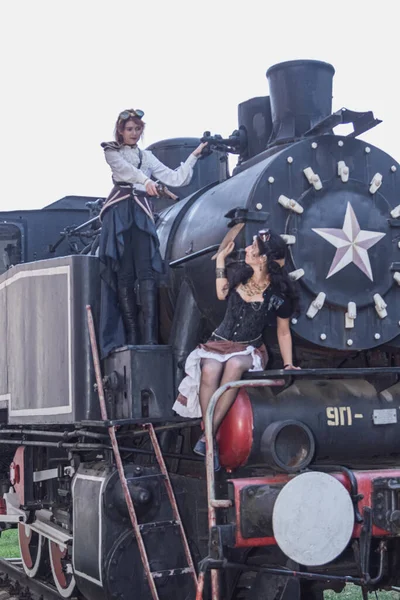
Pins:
<point x="308" y="498"/>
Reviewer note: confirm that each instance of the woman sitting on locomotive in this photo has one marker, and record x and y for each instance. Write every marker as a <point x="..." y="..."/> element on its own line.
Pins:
<point x="129" y="246"/>
<point x="260" y="295"/>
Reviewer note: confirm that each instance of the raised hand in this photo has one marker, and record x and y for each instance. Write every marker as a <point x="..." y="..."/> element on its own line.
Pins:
<point x="224" y="252"/>
<point x="199" y="149"/>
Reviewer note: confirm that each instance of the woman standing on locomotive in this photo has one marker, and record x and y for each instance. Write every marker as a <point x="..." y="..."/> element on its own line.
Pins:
<point x="128" y="251"/>
<point x="259" y="296"/>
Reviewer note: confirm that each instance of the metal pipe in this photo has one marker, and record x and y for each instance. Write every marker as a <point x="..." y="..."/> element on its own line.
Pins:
<point x="120" y="467"/>
<point x="84" y="433"/>
<point x="166" y="454"/>
<point x="208" y="426"/>
<point x="33" y="432"/>
<point x="301" y="574"/>
<point x="69" y="232"/>
<point x="193" y="423"/>
<point x="200" y="586"/>
<point x="84" y="446"/>
<point x="382" y="551"/>
<point x="77" y="446"/>
<point x="79" y="227"/>
<point x="57" y="434"/>
<point x="332" y="373"/>
<point x="173" y="423"/>
<point x="192" y="255"/>
<point x="96" y="435"/>
<point x="296" y="574"/>
<point x="352" y="481"/>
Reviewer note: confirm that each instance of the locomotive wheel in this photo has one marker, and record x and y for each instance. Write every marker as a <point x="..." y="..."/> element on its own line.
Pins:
<point x="253" y="585"/>
<point x="61" y="568"/>
<point x="261" y="586"/>
<point x="33" y="550"/>
<point x="256" y="585"/>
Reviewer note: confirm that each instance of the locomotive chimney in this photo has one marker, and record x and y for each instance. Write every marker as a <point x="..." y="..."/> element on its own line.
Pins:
<point x="301" y="96"/>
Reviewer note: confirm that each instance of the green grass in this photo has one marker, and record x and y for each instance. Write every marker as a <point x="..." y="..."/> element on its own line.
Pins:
<point x="9" y="547"/>
<point x="353" y="592"/>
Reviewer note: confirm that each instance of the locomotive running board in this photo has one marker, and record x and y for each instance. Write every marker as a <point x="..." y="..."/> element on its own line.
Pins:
<point x="150" y="575"/>
<point x="321" y="373"/>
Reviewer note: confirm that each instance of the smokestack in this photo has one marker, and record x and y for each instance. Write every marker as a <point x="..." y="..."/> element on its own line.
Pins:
<point x="301" y="96"/>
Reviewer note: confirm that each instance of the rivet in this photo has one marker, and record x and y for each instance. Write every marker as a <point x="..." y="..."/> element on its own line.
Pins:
<point x="367" y="150"/>
<point x="340" y="143"/>
<point x="323" y="336"/>
<point x="377" y="336"/>
<point x="393" y="168"/>
<point x="314" y="145"/>
<point x="271" y="180"/>
<point x="294" y="322"/>
<point x="290" y="160"/>
<point x="349" y="342"/>
<point x="258" y="206"/>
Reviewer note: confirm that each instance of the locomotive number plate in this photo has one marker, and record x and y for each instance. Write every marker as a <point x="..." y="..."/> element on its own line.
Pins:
<point x="384" y="416"/>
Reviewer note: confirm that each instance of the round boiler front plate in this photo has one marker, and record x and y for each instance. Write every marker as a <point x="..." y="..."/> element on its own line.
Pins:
<point x="313" y="519"/>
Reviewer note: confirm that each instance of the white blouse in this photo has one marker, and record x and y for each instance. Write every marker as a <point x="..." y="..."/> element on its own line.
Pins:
<point x="125" y="161"/>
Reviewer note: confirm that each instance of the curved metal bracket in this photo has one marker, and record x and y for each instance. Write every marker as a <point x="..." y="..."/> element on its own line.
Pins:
<point x="362" y="121"/>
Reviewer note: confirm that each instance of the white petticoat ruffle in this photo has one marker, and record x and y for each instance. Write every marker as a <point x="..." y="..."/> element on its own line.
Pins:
<point x="189" y="387"/>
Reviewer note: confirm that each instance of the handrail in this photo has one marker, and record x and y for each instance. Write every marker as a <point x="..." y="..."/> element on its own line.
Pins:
<point x="193" y="255"/>
<point x="322" y="373"/>
<point x="213" y="503"/>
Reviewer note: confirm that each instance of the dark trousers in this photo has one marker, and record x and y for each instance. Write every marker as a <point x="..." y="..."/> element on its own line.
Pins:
<point x="136" y="260"/>
<point x="136" y="266"/>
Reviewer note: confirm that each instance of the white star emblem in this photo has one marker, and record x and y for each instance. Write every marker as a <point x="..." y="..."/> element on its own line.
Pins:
<point x="352" y="244"/>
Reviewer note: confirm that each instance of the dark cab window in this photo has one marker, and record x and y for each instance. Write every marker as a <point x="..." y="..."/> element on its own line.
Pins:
<point x="10" y="246"/>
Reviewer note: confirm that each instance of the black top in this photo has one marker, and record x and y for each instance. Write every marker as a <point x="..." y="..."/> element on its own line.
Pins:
<point x="245" y="321"/>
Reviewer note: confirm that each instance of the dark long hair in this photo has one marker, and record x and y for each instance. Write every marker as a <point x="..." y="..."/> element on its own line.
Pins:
<point x="271" y="245"/>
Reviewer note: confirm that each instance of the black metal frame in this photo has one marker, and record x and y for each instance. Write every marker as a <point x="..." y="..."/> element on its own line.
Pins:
<point x="322" y="373"/>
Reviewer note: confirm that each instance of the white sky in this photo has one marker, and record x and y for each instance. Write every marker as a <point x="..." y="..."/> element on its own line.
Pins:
<point x="69" y="67"/>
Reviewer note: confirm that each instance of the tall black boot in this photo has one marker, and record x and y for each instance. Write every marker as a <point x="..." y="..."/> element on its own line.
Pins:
<point x="129" y="312"/>
<point x="148" y="301"/>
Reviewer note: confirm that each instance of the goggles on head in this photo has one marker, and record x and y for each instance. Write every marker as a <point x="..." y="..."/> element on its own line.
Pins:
<point x="129" y="114"/>
<point x="263" y="234"/>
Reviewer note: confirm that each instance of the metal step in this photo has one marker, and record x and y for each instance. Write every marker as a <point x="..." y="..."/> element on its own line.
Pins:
<point x="172" y="572"/>
<point x="146" y="527"/>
